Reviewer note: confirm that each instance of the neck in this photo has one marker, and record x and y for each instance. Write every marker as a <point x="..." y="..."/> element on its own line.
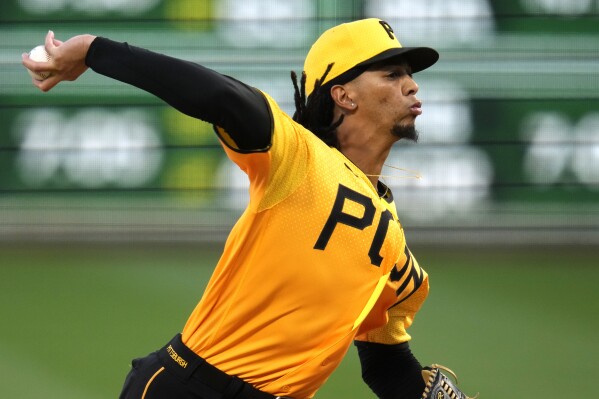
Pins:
<point x="365" y="145"/>
<point x="369" y="156"/>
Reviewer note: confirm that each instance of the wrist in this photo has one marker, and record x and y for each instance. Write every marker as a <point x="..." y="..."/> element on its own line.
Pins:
<point x="86" y="42"/>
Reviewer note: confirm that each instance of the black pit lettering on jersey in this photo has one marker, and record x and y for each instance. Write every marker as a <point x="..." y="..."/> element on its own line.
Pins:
<point x="412" y="275"/>
<point x="379" y="238"/>
<point x="338" y="216"/>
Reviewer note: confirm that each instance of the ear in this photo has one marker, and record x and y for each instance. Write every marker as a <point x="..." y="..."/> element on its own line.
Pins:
<point x="342" y="98"/>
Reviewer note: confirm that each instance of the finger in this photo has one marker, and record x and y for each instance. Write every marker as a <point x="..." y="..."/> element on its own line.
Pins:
<point x="36" y="82"/>
<point x="57" y="42"/>
<point x="34" y="66"/>
<point x="49" y="42"/>
<point x="46" y="84"/>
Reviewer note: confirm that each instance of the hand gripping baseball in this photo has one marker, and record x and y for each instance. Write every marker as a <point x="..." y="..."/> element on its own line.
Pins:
<point x="439" y="386"/>
<point x="67" y="60"/>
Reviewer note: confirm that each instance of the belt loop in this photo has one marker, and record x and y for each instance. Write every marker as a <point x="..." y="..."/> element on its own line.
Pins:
<point x="234" y="388"/>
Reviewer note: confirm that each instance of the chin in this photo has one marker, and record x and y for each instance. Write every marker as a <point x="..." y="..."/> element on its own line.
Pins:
<point x="405" y="132"/>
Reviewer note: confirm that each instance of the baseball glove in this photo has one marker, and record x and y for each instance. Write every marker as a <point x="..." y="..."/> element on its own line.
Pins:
<point x="439" y="386"/>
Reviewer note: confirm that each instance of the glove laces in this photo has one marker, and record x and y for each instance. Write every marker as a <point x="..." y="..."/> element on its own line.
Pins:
<point x="435" y="369"/>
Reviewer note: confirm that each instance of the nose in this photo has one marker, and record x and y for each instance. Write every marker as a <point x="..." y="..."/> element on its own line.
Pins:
<point x="411" y="87"/>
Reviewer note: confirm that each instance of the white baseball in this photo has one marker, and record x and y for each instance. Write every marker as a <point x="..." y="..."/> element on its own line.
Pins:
<point x="39" y="54"/>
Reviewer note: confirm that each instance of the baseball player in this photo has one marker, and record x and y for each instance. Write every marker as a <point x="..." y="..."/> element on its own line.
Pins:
<point x="319" y="259"/>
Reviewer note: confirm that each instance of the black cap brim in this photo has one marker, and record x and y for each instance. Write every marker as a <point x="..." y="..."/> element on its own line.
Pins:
<point x="419" y="58"/>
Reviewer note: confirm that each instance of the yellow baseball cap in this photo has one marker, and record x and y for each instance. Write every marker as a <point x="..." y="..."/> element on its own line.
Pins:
<point x="360" y="43"/>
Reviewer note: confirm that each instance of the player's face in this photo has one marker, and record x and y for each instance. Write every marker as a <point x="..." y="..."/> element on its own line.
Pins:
<point x="387" y="95"/>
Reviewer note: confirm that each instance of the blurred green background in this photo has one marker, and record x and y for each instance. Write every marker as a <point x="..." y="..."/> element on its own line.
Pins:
<point x="113" y="207"/>
<point x="511" y="323"/>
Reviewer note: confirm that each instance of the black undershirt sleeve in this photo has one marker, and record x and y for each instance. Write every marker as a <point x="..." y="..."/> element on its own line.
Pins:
<point x="190" y="88"/>
<point x="391" y="371"/>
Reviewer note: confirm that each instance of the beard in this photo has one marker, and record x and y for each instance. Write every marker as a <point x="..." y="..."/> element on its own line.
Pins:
<point x="408" y="132"/>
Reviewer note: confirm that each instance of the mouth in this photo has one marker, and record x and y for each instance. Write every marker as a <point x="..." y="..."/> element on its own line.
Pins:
<point x="416" y="108"/>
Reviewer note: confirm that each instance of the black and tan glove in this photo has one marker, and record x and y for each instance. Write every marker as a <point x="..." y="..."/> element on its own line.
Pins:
<point x="439" y="386"/>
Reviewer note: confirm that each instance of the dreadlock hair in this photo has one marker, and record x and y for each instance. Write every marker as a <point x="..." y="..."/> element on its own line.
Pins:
<point x="316" y="112"/>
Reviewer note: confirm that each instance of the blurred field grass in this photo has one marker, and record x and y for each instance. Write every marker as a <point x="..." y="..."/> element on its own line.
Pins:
<point x="511" y="323"/>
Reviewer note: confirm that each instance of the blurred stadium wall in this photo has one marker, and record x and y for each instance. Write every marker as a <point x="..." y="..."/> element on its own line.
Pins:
<point x="509" y="149"/>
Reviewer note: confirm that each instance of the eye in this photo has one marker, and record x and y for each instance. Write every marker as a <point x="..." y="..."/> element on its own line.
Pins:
<point x="398" y="73"/>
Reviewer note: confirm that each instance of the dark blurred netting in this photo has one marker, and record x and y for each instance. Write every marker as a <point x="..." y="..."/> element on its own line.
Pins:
<point x="509" y="149"/>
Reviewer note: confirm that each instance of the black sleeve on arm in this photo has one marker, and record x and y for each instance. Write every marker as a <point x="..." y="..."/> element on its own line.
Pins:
<point x="190" y="88"/>
<point x="391" y="371"/>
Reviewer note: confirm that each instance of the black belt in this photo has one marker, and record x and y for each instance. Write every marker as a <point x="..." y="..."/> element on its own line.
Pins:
<point x="185" y="363"/>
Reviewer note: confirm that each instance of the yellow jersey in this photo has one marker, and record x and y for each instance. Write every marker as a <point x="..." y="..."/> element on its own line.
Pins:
<point x="317" y="260"/>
